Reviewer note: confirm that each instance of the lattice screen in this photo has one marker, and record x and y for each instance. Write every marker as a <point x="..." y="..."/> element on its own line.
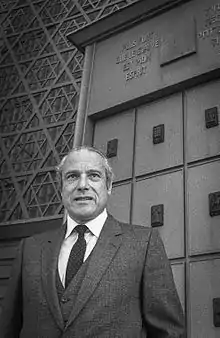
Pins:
<point x="40" y="74"/>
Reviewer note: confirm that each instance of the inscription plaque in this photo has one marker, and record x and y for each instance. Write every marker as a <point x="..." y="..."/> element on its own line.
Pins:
<point x="179" y="41"/>
<point x="211" y="29"/>
<point x="135" y="55"/>
<point x="158" y="134"/>
<point x="157" y="212"/>
<point x="216" y="312"/>
<point x="112" y="147"/>
<point x="214" y="203"/>
<point x="211" y="117"/>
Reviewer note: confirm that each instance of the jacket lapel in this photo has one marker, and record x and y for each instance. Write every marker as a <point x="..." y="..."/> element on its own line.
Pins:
<point x="50" y="254"/>
<point x="102" y="255"/>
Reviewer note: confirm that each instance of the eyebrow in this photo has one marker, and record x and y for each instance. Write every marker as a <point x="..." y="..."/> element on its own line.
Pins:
<point x="87" y="171"/>
<point x="94" y="170"/>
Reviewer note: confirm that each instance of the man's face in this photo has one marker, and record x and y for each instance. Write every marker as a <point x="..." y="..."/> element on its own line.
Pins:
<point x="84" y="190"/>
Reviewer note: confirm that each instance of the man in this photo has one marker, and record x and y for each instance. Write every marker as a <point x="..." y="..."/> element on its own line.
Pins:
<point x="122" y="288"/>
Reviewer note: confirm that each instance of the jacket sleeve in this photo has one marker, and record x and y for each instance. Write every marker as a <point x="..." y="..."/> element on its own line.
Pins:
<point x="11" y="317"/>
<point x="161" y="306"/>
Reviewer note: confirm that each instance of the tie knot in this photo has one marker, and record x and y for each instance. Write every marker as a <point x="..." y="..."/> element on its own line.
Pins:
<point x="81" y="229"/>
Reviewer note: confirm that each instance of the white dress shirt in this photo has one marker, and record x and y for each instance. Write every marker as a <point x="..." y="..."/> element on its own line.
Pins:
<point x="91" y="236"/>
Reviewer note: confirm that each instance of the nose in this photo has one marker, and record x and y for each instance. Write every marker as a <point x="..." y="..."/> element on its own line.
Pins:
<point x="83" y="183"/>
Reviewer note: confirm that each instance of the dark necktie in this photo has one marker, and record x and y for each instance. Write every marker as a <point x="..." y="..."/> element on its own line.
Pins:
<point x="77" y="254"/>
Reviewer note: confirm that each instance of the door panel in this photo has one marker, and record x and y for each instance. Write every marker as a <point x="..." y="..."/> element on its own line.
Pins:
<point x="204" y="230"/>
<point x="179" y="276"/>
<point x="165" y="117"/>
<point x="203" y="141"/>
<point x="166" y="190"/>
<point x="204" y="281"/>
<point x="119" y="202"/>
<point x="117" y="127"/>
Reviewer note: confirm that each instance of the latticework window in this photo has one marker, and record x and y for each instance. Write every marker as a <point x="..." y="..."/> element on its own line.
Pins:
<point x="40" y="75"/>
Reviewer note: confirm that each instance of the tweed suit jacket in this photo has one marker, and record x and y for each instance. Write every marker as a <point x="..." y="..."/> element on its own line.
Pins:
<point x="128" y="290"/>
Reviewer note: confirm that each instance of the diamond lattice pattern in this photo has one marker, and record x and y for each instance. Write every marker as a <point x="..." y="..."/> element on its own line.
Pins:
<point x="40" y="76"/>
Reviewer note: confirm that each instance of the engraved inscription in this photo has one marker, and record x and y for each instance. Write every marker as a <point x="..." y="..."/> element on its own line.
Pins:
<point x="211" y="117"/>
<point x="214" y="204"/>
<point x="157" y="217"/>
<point x="212" y="26"/>
<point x="136" y="54"/>
<point x="112" y="147"/>
<point x="158" y="134"/>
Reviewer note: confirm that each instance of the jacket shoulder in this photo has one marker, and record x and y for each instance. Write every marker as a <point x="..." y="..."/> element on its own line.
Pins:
<point x="135" y="230"/>
<point x="46" y="235"/>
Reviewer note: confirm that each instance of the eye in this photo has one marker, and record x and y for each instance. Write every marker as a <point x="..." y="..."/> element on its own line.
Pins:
<point x="71" y="176"/>
<point x="94" y="176"/>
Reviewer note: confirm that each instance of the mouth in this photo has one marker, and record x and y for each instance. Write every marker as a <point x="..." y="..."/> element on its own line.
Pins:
<point x="83" y="198"/>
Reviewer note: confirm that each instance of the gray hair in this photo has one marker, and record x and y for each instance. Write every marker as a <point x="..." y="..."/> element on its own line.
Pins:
<point x="108" y="169"/>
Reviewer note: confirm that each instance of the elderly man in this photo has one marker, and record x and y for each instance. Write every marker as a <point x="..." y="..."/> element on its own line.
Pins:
<point x="93" y="277"/>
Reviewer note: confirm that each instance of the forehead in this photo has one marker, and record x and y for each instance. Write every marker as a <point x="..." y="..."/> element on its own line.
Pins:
<point x="83" y="160"/>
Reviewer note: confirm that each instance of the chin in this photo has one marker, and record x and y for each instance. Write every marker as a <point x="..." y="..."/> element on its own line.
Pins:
<point x="84" y="217"/>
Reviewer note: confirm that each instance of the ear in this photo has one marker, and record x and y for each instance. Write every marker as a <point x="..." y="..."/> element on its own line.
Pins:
<point x="65" y="216"/>
<point x="110" y="188"/>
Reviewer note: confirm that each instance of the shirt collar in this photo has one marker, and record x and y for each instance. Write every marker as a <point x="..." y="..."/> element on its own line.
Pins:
<point x="95" y="225"/>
